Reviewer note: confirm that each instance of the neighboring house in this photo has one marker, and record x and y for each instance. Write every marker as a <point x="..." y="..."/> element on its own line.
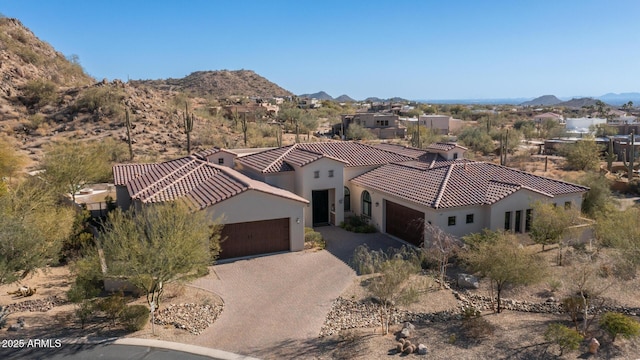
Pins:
<point x="383" y="125"/>
<point x="259" y="218"/>
<point x="443" y="124"/>
<point x="583" y="125"/>
<point x="538" y="119"/>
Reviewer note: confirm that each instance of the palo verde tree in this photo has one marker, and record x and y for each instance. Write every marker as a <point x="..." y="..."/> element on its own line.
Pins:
<point x="158" y="245"/>
<point x="582" y="155"/>
<point x="619" y="324"/>
<point x="393" y="269"/>
<point x="550" y="224"/>
<point x="499" y="257"/>
<point x="11" y="161"/>
<point x="32" y="229"/>
<point x="69" y="165"/>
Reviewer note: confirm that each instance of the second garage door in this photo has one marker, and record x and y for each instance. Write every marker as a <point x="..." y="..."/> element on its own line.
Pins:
<point x="255" y="238"/>
<point x="404" y="223"/>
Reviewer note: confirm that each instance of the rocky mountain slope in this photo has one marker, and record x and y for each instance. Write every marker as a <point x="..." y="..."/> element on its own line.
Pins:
<point x="545" y="100"/>
<point x="45" y="97"/>
<point x="220" y="84"/>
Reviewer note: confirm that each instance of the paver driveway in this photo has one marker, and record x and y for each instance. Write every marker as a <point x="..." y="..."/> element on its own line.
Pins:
<point x="281" y="298"/>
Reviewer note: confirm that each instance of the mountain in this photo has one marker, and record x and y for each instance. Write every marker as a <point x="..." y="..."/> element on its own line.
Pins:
<point x="46" y="97"/>
<point x="545" y="100"/>
<point x="344" y="98"/>
<point x="620" y="99"/>
<point x="578" y="103"/>
<point x="220" y="84"/>
<point x="319" y="95"/>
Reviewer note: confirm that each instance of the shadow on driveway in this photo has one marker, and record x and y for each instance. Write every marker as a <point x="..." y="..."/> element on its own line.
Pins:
<point x="342" y="243"/>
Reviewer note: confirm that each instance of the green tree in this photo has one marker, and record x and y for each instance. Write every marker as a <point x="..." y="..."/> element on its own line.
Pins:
<point x="598" y="199"/>
<point x="357" y="132"/>
<point x="618" y="324"/>
<point x="566" y="338"/>
<point x="549" y="223"/>
<point x="477" y="139"/>
<point x="32" y="228"/>
<point x="422" y="136"/>
<point x="159" y="244"/>
<point x="69" y="165"/>
<point x="619" y="230"/>
<point x="388" y="287"/>
<point x="11" y="161"/>
<point x="440" y="246"/>
<point x="500" y="257"/>
<point x="582" y="155"/>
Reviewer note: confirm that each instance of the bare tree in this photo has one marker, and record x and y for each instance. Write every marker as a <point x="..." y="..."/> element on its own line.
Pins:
<point x="440" y="246"/>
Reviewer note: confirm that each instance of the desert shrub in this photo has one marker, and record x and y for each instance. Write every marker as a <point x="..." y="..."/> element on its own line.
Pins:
<point x="565" y="337"/>
<point x="40" y="92"/>
<point x="112" y="306"/>
<point x="85" y="311"/>
<point x="358" y="132"/>
<point x="104" y="99"/>
<point x="619" y="324"/>
<point x="367" y="261"/>
<point x="135" y="317"/>
<point x="88" y="283"/>
<point x="474" y="326"/>
<point x="313" y="239"/>
<point x="357" y="224"/>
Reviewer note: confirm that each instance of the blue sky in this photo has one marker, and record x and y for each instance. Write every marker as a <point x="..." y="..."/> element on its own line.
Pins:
<point x="412" y="49"/>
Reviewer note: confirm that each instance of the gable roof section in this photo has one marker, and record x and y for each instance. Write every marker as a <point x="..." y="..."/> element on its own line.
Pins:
<point x="459" y="183"/>
<point x="200" y="182"/>
<point x="352" y="154"/>
<point x="411" y="152"/>
<point x="444" y="146"/>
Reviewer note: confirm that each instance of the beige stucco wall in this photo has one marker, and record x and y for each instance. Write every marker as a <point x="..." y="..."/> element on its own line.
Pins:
<point x="254" y="205"/>
<point x="228" y="159"/>
<point x="306" y="183"/>
<point x="484" y="216"/>
<point x="284" y="180"/>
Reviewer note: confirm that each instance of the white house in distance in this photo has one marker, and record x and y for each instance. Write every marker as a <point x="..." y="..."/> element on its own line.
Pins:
<point x="540" y="118"/>
<point x="396" y="188"/>
<point x="582" y="125"/>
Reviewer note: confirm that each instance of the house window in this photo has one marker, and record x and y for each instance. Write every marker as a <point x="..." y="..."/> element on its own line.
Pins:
<point x="455" y="156"/>
<point x="316" y="174"/>
<point x="567" y="205"/>
<point x="220" y="161"/>
<point x="507" y="220"/>
<point x="518" y="221"/>
<point x="451" y="221"/>
<point x="347" y="199"/>
<point x="469" y="218"/>
<point x="330" y="173"/>
<point x="366" y="204"/>
<point x="527" y="220"/>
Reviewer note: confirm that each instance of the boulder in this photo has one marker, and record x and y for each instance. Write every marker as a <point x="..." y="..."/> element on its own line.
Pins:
<point x="404" y="333"/>
<point x="408" y="325"/>
<point x="422" y="349"/>
<point x="468" y="281"/>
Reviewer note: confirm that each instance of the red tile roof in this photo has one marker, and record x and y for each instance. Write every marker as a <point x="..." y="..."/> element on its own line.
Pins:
<point x="353" y="154"/>
<point x="460" y="183"/>
<point x="444" y="146"/>
<point x="201" y="182"/>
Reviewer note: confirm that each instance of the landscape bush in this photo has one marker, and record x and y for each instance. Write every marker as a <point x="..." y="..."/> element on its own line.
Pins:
<point x="135" y="317"/>
<point x="616" y="324"/>
<point x="313" y="239"/>
<point x="357" y="224"/>
<point x="563" y="336"/>
<point x="112" y="306"/>
<point x="103" y="99"/>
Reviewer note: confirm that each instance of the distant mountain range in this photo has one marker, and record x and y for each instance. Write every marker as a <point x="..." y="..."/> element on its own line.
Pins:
<point x="544" y="100"/>
<point x="321" y="95"/>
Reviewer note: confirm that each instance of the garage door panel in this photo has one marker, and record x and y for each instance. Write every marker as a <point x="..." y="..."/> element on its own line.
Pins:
<point x="254" y="238"/>
<point x="404" y="223"/>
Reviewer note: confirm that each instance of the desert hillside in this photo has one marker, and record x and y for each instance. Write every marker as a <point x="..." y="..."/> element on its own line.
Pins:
<point x="45" y="96"/>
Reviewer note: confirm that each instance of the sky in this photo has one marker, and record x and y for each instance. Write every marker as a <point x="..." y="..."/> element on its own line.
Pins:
<point x="420" y="49"/>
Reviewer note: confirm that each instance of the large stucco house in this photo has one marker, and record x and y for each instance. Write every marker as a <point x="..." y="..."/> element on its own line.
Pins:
<point x="396" y="188"/>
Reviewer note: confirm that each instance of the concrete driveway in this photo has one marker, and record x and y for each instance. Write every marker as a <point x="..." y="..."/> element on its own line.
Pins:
<point x="282" y="298"/>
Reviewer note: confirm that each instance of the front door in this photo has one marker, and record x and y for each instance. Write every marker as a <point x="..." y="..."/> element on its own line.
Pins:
<point x="320" y="207"/>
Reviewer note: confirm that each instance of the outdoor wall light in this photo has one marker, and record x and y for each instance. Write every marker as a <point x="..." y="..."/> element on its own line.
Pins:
<point x="340" y="201"/>
<point x="297" y="220"/>
<point x="377" y="204"/>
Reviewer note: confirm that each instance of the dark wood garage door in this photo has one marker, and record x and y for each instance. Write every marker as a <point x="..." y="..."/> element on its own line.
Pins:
<point x="254" y="238"/>
<point x="404" y="223"/>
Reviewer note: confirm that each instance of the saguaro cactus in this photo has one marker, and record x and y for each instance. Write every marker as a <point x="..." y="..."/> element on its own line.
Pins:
<point x="610" y="156"/>
<point x="631" y="151"/>
<point x="504" y="146"/>
<point x="188" y="126"/>
<point x="127" y="122"/>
